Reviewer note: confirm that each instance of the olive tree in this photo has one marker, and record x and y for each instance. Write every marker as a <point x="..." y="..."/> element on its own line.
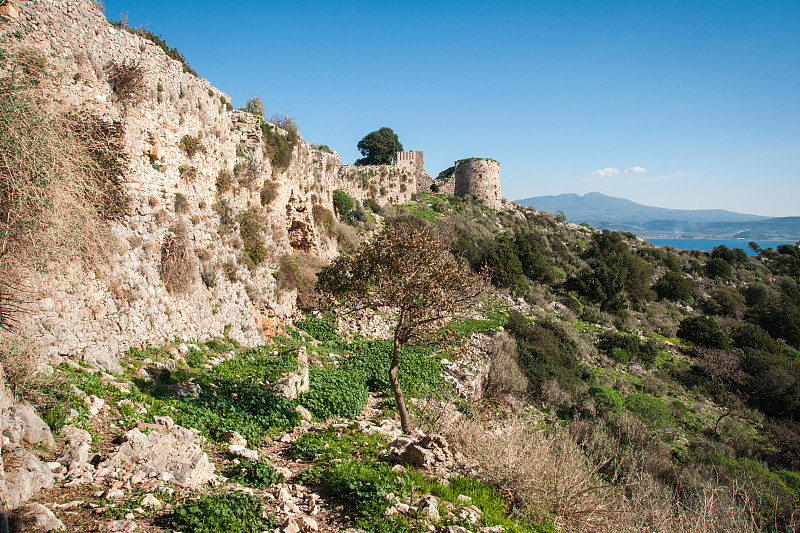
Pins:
<point x="411" y="273"/>
<point x="379" y="147"/>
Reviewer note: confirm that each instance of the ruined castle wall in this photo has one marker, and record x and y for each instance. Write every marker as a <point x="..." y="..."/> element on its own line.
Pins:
<point x="98" y="312"/>
<point x="386" y="184"/>
<point x="479" y="178"/>
<point x="414" y="160"/>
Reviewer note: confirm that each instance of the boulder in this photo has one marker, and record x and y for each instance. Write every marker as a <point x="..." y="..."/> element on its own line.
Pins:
<point x="244" y="453"/>
<point x="429" y="507"/>
<point x="233" y="437"/>
<point x="294" y="384"/>
<point x="74" y="437"/>
<point x="34" y="429"/>
<point x="9" y="12"/>
<point x="101" y="358"/>
<point x="418" y="456"/>
<point x="40" y="517"/>
<point x="25" y="476"/>
<point x="176" y="453"/>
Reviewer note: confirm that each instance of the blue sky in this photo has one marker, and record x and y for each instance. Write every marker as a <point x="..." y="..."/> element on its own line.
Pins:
<point x="698" y="101"/>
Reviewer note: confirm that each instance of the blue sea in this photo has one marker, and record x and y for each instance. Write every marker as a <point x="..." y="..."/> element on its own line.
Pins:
<point x="707" y="244"/>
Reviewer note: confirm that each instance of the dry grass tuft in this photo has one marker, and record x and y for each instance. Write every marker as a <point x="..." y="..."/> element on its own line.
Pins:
<point x="308" y="265"/>
<point x="546" y="473"/>
<point x="505" y="375"/>
<point x="60" y="176"/>
<point x="127" y="80"/>
<point x="178" y="263"/>
<point x="31" y="64"/>
<point x="19" y="370"/>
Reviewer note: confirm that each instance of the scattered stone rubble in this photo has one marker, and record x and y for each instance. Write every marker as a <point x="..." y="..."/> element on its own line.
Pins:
<point x="169" y="453"/>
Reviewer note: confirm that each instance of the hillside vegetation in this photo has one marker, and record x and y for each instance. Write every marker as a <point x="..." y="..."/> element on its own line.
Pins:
<point x="627" y="388"/>
<point x="600" y="385"/>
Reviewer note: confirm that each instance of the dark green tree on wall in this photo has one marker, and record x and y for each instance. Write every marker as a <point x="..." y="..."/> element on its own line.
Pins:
<point x="379" y="147"/>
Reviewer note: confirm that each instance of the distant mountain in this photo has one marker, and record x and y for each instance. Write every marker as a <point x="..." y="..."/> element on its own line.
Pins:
<point x="609" y="212"/>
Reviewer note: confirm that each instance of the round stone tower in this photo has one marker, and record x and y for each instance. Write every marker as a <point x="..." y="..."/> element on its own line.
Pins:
<point x="480" y="178"/>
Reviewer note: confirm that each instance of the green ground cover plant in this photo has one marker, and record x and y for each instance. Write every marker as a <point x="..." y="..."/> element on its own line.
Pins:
<point x="218" y="512"/>
<point x="257" y="474"/>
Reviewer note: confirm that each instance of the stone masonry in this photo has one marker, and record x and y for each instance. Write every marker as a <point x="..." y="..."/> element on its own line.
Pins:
<point x="479" y="178"/>
<point x="97" y="313"/>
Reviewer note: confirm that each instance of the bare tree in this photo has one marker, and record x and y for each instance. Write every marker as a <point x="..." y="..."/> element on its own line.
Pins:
<point x="410" y="272"/>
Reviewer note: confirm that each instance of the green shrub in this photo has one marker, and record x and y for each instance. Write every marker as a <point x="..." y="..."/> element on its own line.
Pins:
<point x="752" y="336"/>
<point x="254" y="105"/>
<point x="268" y="192"/>
<point x="224" y="181"/>
<point x="674" y="286"/>
<point x="180" y="203"/>
<point x="623" y="346"/>
<point x="191" y="145"/>
<point x="259" y="474"/>
<point x="703" y="331"/>
<point x="288" y="276"/>
<point x="331" y="445"/>
<point x="545" y="351"/>
<point x="342" y="391"/>
<point x="373" y="206"/>
<point x="324" y="217"/>
<point x="607" y="398"/>
<point x="172" y="53"/>
<point x="362" y="488"/>
<point x="251" y="229"/>
<point x="279" y="147"/>
<point x="774" y="495"/>
<point x="342" y="202"/>
<point x="504" y="263"/>
<point x="718" y="268"/>
<point x="649" y="409"/>
<point x="615" y="276"/>
<point x="321" y="329"/>
<point x="218" y="512"/>
<point x="335" y="393"/>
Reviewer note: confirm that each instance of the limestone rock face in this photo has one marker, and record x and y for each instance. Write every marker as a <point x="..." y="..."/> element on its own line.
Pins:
<point x="302" y="236"/>
<point x="34" y="430"/>
<point x="41" y="518"/>
<point x="102" y="358"/>
<point x="8" y="11"/>
<point x="177" y="452"/>
<point x="25" y="475"/>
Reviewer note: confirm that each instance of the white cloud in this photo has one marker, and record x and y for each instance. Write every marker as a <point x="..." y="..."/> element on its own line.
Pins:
<point x="635" y="170"/>
<point x="607" y="176"/>
<point x="606" y="172"/>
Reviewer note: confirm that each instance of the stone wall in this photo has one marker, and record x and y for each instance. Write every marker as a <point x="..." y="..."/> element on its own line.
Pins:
<point x="413" y="159"/>
<point x="479" y="178"/>
<point x="98" y="312"/>
<point x="386" y="184"/>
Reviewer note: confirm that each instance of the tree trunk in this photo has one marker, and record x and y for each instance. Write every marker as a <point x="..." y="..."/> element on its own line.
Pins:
<point x="405" y="421"/>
